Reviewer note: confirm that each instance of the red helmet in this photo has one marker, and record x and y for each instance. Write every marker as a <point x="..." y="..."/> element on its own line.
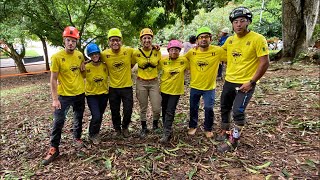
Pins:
<point x="71" y="31"/>
<point x="175" y="44"/>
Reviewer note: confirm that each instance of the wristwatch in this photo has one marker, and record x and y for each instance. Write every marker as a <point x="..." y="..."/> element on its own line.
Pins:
<point x="253" y="83"/>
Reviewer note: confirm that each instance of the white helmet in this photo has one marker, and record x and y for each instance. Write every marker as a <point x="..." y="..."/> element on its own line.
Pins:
<point x="225" y="30"/>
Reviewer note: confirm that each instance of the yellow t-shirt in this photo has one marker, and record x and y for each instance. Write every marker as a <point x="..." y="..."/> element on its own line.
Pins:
<point x="204" y="67"/>
<point x="172" y="75"/>
<point x="70" y="80"/>
<point x="119" y="66"/>
<point x="147" y="67"/>
<point x="243" y="56"/>
<point x="96" y="79"/>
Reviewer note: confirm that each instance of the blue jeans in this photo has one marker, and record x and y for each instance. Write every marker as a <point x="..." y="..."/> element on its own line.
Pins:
<point x="59" y="116"/>
<point x="208" y="97"/>
<point x="97" y="105"/>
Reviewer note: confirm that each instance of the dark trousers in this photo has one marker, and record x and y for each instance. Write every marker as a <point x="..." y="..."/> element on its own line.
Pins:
<point x="59" y="116"/>
<point x="208" y="97"/>
<point x="169" y="104"/>
<point x="97" y="105"/>
<point x="220" y="70"/>
<point x="116" y="96"/>
<point x="234" y="100"/>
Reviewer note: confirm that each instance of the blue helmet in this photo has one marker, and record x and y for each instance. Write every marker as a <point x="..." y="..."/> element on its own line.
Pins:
<point x="92" y="48"/>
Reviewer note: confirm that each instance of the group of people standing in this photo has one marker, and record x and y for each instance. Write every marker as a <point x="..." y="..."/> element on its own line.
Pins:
<point x="108" y="77"/>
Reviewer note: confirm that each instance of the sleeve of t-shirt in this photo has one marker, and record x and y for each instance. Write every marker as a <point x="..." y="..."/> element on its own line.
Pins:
<point x="262" y="47"/>
<point x="54" y="64"/>
<point x="223" y="55"/>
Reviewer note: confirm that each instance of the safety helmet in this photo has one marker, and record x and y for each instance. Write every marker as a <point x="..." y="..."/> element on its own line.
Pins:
<point x="203" y="30"/>
<point x="174" y="44"/>
<point x="71" y="31"/>
<point x="225" y="30"/>
<point x="240" y="12"/>
<point x="92" y="48"/>
<point x="114" y="32"/>
<point x="146" y="31"/>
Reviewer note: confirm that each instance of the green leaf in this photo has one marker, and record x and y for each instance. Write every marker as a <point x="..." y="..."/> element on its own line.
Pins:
<point x="252" y="170"/>
<point x="268" y="177"/>
<point x="108" y="164"/>
<point x="192" y="173"/>
<point x="285" y="173"/>
<point x="267" y="164"/>
<point x="310" y="163"/>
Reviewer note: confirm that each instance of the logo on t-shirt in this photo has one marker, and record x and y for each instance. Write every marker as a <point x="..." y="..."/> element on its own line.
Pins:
<point x="98" y="80"/>
<point x="202" y="65"/>
<point x="118" y="65"/>
<point x="236" y="53"/>
<point x="75" y="69"/>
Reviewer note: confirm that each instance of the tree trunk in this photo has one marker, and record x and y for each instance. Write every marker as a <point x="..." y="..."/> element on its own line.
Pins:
<point x="18" y="58"/>
<point x="45" y="50"/>
<point x="299" y="18"/>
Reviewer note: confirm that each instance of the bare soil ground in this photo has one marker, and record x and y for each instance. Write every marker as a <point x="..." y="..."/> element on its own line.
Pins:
<point x="280" y="141"/>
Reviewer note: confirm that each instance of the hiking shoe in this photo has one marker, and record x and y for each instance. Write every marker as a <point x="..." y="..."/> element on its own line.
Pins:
<point x="228" y="146"/>
<point x="125" y="133"/>
<point x="52" y="155"/>
<point x="155" y="126"/>
<point x="95" y="139"/>
<point x="209" y="134"/>
<point x="143" y="133"/>
<point x="165" y="138"/>
<point x="192" y="131"/>
<point x="78" y="143"/>
<point x="118" y="133"/>
<point x="222" y="136"/>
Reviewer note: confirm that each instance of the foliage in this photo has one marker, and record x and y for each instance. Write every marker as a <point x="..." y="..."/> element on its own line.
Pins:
<point x="316" y="32"/>
<point x="270" y="25"/>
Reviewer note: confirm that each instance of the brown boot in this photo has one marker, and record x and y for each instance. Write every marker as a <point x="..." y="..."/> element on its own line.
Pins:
<point x="52" y="155"/>
<point x="223" y="135"/>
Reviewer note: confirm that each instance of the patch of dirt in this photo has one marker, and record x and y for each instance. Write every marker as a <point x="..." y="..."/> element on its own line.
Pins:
<point x="280" y="141"/>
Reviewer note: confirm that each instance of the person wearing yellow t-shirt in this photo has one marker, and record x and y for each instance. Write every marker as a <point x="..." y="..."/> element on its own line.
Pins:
<point x="171" y="85"/>
<point x="204" y="63"/>
<point x="147" y="84"/>
<point x="96" y="90"/>
<point x="119" y="62"/>
<point x="67" y="89"/>
<point x="247" y="62"/>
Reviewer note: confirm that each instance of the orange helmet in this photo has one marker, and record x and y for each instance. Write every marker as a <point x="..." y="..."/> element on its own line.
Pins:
<point x="71" y="31"/>
<point x="146" y="31"/>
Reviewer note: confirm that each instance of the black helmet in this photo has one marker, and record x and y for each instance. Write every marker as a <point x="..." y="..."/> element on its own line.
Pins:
<point x="240" y="12"/>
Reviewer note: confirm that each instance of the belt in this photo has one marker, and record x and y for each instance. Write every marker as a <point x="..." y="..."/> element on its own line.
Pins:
<point x="146" y="79"/>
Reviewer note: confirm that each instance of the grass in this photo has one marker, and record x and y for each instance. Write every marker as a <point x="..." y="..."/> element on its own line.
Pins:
<point x="29" y="53"/>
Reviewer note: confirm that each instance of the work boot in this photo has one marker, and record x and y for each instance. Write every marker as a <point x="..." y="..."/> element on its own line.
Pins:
<point x="232" y="143"/>
<point x="165" y="138"/>
<point x="52" y="155"/>
<point x="192" y="131"/>
<point x="222" y="136"/>
<point x="78" y="143"/>
<point x="155" y="125"/>
<point x="143" y="133"/>
<point x="118" y="133"/>
<point x="95" y="139"/>
<point x="125" y="132"/>
<point x="209" y="134"/>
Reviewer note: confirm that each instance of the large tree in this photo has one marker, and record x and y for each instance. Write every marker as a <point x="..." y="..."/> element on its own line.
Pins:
<point x="299" y="18"/>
